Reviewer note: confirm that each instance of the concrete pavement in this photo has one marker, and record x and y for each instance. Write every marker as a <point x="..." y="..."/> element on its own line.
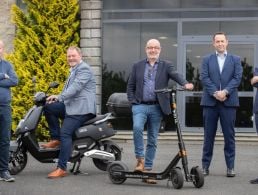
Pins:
<point x="33" y="181"/>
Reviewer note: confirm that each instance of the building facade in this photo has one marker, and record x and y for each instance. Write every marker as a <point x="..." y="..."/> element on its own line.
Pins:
<point x="114" y="33"/>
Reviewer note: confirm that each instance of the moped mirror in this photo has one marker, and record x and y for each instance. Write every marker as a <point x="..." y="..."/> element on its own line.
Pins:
<point x="53" y="84"/>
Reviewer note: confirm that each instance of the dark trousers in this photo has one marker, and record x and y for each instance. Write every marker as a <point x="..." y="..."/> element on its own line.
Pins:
<point x="5" y="134"/>
<point x="54" y="112"/>
<point x="256" y="121"/>
<point x="227" y="116"/>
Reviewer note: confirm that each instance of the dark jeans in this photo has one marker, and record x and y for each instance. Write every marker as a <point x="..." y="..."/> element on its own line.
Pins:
<point x="5" y="134"/>
<point x="54" y="112"/>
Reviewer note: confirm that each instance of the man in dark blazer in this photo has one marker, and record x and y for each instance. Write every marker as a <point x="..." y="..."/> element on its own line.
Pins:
<point x="254" y="82"/>
<point x="147" y="106"/>
<point x="75" y="105"/>
<point x="220" y="76"/>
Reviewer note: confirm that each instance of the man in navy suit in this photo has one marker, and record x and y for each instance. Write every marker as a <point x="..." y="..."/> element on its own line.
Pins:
<point x="254" y="82"/>
<point x="220" y="76"/>
<point x="75" y="105"/>
<point x="147" y="106"/>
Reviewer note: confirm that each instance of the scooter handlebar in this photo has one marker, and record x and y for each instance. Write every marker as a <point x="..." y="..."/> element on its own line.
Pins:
<point x="168" y="90"/>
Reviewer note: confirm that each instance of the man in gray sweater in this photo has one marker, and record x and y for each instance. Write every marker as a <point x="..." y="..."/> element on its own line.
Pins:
<point x="8" y="79"/>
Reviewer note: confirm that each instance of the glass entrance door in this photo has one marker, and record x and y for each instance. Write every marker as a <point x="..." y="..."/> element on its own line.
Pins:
<point x="192" y="112"/>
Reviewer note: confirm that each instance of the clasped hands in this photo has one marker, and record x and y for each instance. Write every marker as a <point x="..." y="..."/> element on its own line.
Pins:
<point x="220" y="95"/>
<point x="52" y="99"/>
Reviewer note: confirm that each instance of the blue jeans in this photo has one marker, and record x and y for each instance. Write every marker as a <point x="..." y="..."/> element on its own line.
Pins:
<point x="54" y="112"/>
<point x="152" y="115"/>
<point x="5" y="135"/>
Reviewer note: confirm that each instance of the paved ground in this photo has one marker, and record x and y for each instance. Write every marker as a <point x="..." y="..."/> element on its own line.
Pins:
<point x="33" y="181"/>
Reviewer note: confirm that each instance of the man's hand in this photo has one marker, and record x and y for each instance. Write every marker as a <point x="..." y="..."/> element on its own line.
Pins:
<point x="220" y="95"/>
<point x="189" y="86"/>
<point x="6" y="76"/>
<point x="254" y="80"/>
<point x="52" y="99"/>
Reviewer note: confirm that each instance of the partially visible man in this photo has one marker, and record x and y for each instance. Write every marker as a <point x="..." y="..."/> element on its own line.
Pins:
<point x="8" y="78"/>
<point x="254" y="82"/>
<point x="75" y="105"/>
<point x="147" y="106"/>
<point x="220" y="76"/>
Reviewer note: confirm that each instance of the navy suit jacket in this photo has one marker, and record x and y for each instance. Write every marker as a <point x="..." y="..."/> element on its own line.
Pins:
<point x="255" y="108"/>
<point x="165" y="71"/>
<point x="229" y="79"/>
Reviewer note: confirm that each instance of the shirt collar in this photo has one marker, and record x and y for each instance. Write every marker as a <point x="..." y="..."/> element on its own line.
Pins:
<point x="224" y="54"/>
<point x="73" y="68"/>
<point x="157" y="61"/>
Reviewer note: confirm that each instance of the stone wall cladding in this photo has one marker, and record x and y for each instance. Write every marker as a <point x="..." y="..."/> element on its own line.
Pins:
<point x="90" y="41"/>
<point x="7" y="29"/>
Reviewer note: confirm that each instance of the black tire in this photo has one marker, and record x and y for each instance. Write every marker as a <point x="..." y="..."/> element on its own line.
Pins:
<point x="177" y="178"/>
<point x="17" y="161"/>
<point x="108" y="146"/>
<point x="197" y="177"/>
<point x="114" y="174"/>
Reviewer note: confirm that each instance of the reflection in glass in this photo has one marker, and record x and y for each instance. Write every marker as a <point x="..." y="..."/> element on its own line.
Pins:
<point x="244" y="112"/>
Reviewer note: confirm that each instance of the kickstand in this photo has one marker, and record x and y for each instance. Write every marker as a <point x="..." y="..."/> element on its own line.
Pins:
<point x="76" y="168"/>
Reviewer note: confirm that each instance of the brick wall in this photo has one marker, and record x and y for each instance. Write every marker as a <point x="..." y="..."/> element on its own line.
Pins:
<point x="7" y="29"/>
<point x="90" y="42"/>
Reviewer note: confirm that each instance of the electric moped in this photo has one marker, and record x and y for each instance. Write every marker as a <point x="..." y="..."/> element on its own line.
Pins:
<point x="89" y="140"/>
<point x="118" y="171"/>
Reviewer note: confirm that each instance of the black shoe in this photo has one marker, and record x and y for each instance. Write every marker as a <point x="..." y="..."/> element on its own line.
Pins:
<point x="231" y="173"/>
<point x="205" y="171"/>
<point x="254" y="181"/>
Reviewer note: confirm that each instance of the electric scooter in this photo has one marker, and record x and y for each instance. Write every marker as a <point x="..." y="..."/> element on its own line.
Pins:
<point x="118" y="171"/>
<point x="89" y="140"/>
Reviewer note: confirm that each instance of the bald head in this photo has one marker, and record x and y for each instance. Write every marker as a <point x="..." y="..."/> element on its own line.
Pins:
<point x="153" y="41"/>
<point x="152" y="50"/>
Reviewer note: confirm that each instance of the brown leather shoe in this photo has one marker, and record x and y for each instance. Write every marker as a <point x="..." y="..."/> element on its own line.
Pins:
<point x="52" y="144"/>
<point x="57" y="174"/>
<point x="149" y="180"/>
<point x="140" y="165"/>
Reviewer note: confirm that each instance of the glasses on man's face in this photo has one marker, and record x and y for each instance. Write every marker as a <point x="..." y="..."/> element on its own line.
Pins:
<point x="151" y="48"/>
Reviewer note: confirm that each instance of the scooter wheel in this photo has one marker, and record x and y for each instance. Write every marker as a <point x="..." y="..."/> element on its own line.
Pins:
<point x="197" y="177"/>
<point x="17" y="162"/>
<point x="107" y="146"/>
<point x="177" y="178"/>
<point x="115" y="170"/>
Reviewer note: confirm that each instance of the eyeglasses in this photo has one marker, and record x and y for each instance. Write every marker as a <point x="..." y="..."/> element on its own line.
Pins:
<point x="151" y="48"/>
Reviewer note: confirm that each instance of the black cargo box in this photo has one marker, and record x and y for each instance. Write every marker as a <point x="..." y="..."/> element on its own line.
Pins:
<point x="119" y="105"/>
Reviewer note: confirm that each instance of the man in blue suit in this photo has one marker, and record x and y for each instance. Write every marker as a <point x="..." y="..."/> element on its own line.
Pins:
<point x="75" y="105"/>
<point x="220" y="76"/>
<point x="254" y="82"/>
<point x="147" y="106"/>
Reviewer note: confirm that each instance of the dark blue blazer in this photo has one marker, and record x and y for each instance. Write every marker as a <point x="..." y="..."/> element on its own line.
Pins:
<point x="255" y="108"/>
<point x="165" y="71"/>
<point x="229" y="79"/>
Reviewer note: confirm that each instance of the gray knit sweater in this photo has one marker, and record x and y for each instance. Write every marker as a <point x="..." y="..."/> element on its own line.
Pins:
<point x="5" y="83"/>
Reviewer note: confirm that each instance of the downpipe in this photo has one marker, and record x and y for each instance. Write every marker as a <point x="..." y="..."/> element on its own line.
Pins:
<point x="99" y="154"/>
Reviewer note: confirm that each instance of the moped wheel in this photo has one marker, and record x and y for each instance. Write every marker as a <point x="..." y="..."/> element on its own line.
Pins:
<point x="17" y="162"/>
<point x="111" y="147"/>
<point x="197" y="177"/>
<point x="177" y="178"/>
<point x="114" y="172"/>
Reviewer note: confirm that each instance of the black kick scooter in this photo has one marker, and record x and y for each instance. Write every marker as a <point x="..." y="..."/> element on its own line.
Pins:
<point x="118" y="171"/>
